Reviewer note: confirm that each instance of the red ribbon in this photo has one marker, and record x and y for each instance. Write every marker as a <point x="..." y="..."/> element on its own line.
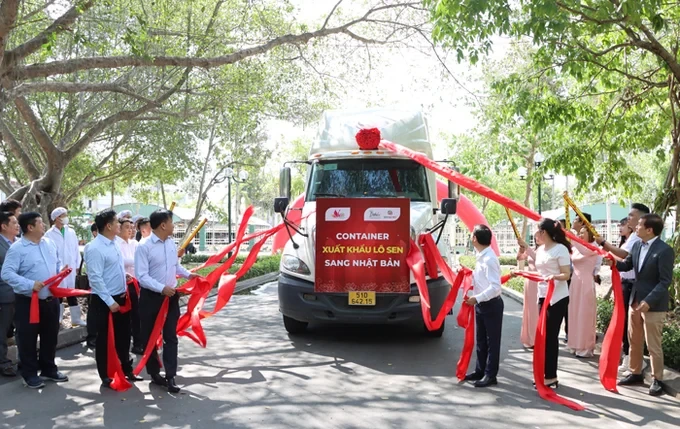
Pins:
<point x="114" y="368"/>
<point x="466" y="320"/>
<point x="613" y="339"/>
<point x="155" y="335"/>
<point x="613" y="346"/>
<point x="53" y="285"/>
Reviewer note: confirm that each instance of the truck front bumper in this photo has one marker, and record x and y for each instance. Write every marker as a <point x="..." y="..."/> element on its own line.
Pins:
<point x="298" y="301"/>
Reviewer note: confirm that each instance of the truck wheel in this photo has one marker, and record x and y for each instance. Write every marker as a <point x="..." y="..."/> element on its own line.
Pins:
<point x="435" y="334"/>
<point x="294" y="326"/>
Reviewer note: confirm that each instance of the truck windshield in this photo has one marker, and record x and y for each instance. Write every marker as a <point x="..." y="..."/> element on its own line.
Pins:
<point x="368" y="178"/>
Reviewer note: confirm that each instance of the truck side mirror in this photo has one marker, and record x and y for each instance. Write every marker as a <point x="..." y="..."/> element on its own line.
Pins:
<point x="280" y="204"/>
<point x="284" y="183"/>
<point x="448" y="206"/>
<point x="453" y="190"/>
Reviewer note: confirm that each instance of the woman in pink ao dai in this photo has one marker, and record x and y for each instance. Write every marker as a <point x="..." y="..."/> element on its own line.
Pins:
<point x="582" y="299"/>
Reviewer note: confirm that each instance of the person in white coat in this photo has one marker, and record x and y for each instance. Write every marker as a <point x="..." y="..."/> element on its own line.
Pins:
<point x="66" y="241"/>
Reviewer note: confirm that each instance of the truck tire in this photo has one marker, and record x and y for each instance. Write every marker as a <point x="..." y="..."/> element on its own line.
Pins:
<point x="435" y="334"/>
<point x="294" y="326"/>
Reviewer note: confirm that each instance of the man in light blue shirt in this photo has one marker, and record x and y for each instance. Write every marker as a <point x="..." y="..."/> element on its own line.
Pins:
<point x="106" y="274"/>
<point x="28" y="263"/>
<point x="156" y="268"/>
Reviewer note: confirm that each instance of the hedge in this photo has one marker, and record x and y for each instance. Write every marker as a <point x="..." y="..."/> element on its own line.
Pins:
<point x="469" y="260"/>
<point x="263" y="265"/>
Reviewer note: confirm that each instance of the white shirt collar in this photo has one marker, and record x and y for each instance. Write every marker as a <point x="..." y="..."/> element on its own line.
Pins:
<point x="650" y="241"/>
<point x="484" y="252"/>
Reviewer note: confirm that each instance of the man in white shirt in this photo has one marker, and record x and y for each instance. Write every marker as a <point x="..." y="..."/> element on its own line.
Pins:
<point x="69" y="253"/>
<point x="156" y="268"/>
<point x="489" y="306"/>
<point x="628" y="277"/>
<point x="128" y="247"/>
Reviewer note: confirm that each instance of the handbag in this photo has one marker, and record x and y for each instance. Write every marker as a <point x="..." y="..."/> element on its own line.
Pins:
<point x="81" y="279"/>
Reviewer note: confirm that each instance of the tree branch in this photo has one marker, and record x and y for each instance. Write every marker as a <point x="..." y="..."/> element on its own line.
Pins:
<point x="38" y="132"/>
<point x="18" y="152"/>
<point x="80" y="64"/>
<point x="74" y="88"/>
<point x="121" y="116"/>
<point x="328" y="18"/>
<point x="59" y="25"/>
<point x="8" y="17"/>
<point x="37" y="10"/>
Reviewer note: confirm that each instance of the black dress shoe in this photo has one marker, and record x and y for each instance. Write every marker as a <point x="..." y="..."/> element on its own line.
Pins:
<point x="632" y="380"/>
<point x="473" y="376"/>
<point x="172" y="386"/>
<point x="656" y="389"/>
<point x="486" y="382"/>
<point x="157" y="379"/>
<point x="107" y="382"/>
<point x="132" y="377"/>
<point x="137" y="350"/>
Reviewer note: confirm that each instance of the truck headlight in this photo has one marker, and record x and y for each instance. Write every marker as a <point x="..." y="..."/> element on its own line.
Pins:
<point x="294" y="264"/>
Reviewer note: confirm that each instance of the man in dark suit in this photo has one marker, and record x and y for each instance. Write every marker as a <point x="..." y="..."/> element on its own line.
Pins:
<point x="652" y="260"/>
<point x="9" y="229"/>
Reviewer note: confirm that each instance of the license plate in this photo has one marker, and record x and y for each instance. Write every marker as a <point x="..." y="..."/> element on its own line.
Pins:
<point x="361" y="298"/>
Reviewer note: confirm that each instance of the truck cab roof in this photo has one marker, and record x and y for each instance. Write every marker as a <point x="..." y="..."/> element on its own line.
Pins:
<point x="403" y="126"/>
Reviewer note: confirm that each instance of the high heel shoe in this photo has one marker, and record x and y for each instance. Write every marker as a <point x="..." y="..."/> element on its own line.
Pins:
<point x="555" y="384"/>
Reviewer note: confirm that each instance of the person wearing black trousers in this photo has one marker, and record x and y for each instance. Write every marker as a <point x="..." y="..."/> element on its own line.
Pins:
<point x="156" y="268"/>
<point x="28" y="263"/>
<point x="488" y="309"/>
<point x="106" y="275"/>
<point x="553" y="262"/>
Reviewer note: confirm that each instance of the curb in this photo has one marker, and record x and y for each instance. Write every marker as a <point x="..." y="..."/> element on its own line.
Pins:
<point x="671" y="388"/>
<point x="69" y="337"/>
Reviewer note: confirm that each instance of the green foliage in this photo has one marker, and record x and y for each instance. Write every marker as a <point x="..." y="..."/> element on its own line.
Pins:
<point x="590" y="90"/>
<point x="605" y="310"/>
<point x="670" y="343"/>
<point x="264" y="264"/>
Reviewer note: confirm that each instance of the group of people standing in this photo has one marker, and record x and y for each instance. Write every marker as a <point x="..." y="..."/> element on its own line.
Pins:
<point x="125" y="253"/>
<point x="646" y="265"/>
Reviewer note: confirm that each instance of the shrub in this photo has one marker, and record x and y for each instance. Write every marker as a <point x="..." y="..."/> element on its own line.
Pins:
<point x="467" y="261"/>
<point x="605" y="310"/>
<point x="671" y="344"/>
<point x="201" y="259"/>
<point x="508" y="260"/>
<point x="516" y="284"/>
<point x="263" y="265"/>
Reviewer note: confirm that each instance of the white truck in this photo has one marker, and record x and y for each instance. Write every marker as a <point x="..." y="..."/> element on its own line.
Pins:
<point x="337" y="168"/>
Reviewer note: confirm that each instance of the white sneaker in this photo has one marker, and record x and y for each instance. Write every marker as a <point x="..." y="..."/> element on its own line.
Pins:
<point x="625" y="365"/>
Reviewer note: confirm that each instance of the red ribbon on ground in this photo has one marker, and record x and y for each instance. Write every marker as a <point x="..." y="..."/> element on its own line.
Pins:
<point x="544" y="391"/>
<point x="466" y="320"/>
<point x="612" y="351"/>
<point x="114" y="368"/>
<point x="53" y="285"/>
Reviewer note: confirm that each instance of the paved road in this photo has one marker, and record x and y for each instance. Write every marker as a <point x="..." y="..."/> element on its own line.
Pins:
<point x="252" y="375"/>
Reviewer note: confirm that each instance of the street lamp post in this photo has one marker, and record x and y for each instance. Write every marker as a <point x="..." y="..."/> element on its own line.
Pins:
<point x="242" y="178"/>
<point x="538" y="161"/>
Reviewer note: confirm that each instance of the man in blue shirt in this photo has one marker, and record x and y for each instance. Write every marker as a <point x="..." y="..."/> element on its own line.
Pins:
<point x="156" y="268"/>
<point x="106" y="274"/>
<point x="30" y="261"/>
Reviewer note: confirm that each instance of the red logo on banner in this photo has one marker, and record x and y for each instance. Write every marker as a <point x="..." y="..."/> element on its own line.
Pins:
<point x="361" y="244"/>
